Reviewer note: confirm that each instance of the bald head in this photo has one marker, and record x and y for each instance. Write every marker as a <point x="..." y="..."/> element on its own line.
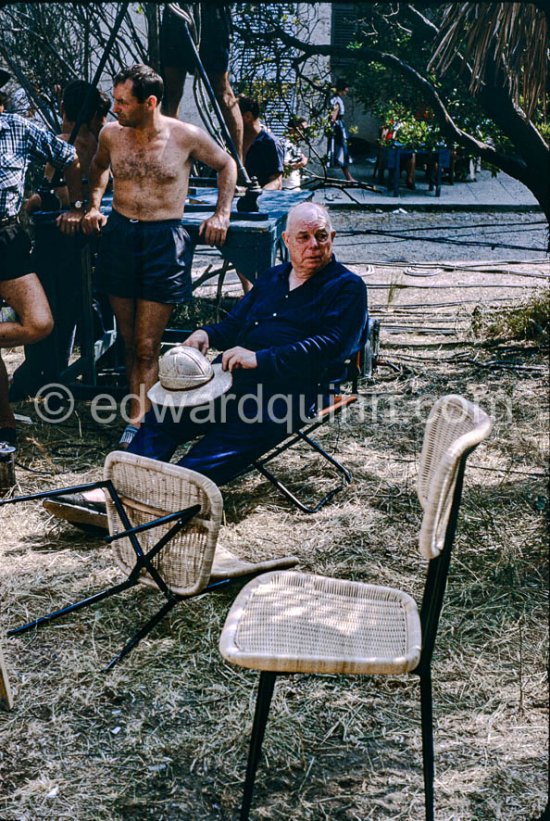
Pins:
<point x="308" y="237"/>
<point x="307" y="211"/>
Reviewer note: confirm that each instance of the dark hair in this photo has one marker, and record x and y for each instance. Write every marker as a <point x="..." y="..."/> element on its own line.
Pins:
<point x="296" y="122"/>
<point x="145" y="81"/>
<point x="3" y="98"/>
<point x="75" y="94"/>
<point x="341" y="85"/>
<point x="103" y="105"/>
<point x="249" y="104"/>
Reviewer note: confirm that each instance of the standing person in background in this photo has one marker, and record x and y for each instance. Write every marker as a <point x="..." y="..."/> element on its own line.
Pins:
<point x="295" y="159"/>
<point x="59" y="269"/>
<point x="145" y="253"/>
<point x="338" y="152"/>
<point x="263" y="156"/>
<point x="214" y="48"/>
<point x="263" y="153"/>
<point x="30" y="317"/>
<point x="94" y="118"/>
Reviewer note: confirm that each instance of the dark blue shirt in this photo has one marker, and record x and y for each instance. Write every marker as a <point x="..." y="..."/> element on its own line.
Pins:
<point x="301" y="337"/>
<point x="265" y="157"/>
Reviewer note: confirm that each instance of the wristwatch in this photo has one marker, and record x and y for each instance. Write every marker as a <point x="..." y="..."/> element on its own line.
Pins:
<point x="77" y="205"/>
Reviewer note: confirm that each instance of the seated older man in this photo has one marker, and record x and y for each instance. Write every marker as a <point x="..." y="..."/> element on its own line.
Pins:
<point x="282" y="344"/>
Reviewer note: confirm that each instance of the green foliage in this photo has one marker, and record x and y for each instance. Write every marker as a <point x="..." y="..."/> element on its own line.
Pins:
<point x="400" y="126"/>
<point x="391" y="96"/>
<point x="528" y="322"/>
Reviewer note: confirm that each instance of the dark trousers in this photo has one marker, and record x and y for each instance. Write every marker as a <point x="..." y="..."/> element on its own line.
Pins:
<point x="232" y="438"/>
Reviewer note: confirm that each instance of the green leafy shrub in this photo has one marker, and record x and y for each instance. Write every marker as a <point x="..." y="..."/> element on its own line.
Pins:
<point x="529" y="321"/>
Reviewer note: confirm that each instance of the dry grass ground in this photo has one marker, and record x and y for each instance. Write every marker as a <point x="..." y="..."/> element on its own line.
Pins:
<point x="164" y="736"/>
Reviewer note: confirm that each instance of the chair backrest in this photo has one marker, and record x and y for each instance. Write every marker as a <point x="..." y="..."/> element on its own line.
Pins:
<point x="455" y="427"/>
<point x="148" y="490"/>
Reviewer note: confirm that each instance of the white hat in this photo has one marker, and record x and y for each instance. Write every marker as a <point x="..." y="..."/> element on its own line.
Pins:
<point x="187" y="378"/>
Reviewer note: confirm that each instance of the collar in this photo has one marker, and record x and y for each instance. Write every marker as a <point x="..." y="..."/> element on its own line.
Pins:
<point x="328" y="272"/>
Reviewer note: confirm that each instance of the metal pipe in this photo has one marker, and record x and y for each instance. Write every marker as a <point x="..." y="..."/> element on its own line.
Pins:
<point x="99" y="70"/>
<point x="249" y="201"/>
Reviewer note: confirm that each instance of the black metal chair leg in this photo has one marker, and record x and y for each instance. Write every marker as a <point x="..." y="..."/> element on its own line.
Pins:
<point x="259" y="464"/>
<point x="263" y="701"/>
<point x="143" y="631"/>
<point x="427" y="741"/>
<point x="70" y="608"/>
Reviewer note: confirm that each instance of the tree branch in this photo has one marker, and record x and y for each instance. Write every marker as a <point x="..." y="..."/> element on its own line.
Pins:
<point x="510" y="165"/>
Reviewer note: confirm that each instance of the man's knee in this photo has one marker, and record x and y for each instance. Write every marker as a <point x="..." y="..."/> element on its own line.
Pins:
<point x="38" y="326"/>
<point x="146" y="352"/>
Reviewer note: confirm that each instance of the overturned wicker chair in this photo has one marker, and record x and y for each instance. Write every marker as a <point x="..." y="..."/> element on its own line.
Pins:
<point x="288" y="622"/>
<point x="163" y="522"/>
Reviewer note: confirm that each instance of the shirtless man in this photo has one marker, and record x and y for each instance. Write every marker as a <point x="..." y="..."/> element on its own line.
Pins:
<point x="145" y="253"/>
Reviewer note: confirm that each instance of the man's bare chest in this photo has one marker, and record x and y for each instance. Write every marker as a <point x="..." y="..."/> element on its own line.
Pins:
<point x="154" y="163"/>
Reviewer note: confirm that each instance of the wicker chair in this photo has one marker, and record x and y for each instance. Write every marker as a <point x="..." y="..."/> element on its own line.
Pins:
<point x="6" y="699"/>
<point x="297" y="623"/>
<point x="164" y="522"/>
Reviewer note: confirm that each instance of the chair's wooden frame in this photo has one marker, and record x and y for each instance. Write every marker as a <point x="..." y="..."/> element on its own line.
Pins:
<point x="6" y="697"/>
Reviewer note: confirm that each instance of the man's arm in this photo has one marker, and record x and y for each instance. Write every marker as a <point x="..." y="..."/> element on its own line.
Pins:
<point x="340" y="329"/>
<point x="275" y="160"/>
<point x="205" y="150"/>
<point x="98" y="180"/>
<point x="69" y="221"/>
<point x="339" y="334"/>
<point x="44" y="146"/>
<point x="275" y="183"/>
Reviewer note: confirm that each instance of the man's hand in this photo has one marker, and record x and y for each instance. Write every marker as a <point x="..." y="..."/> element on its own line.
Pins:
<point x="214" y="229"/>
<point x="239" y="358"/>
<point x="199" y="340"/>
<point x="34" y="203"/>
<point x="69" y="222"/>
<point x="93" y="221"/>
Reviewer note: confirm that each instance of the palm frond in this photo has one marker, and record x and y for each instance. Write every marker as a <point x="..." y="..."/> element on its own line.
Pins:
<point x="508" y="37"/>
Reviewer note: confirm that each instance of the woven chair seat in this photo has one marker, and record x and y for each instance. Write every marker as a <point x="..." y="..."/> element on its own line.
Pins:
<point x="300" y="623"/>
<point x="289" y="622"/>
<point x="228" y="566"/>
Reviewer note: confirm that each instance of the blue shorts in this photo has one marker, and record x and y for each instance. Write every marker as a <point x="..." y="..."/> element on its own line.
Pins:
<point x="15" y="252"/>
<point x="145" y="260"/>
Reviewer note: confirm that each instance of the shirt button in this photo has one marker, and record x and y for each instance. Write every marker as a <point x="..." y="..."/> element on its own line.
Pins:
<point x="256" y="323"/>
<point x="275" y="314"/>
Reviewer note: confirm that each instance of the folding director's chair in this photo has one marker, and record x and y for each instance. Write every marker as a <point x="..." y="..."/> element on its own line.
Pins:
<point x="361" y="364"/>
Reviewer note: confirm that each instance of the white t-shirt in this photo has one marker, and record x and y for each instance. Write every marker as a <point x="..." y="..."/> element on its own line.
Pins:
<point x="338" y="101"/>
<point x="293" y="178"/>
